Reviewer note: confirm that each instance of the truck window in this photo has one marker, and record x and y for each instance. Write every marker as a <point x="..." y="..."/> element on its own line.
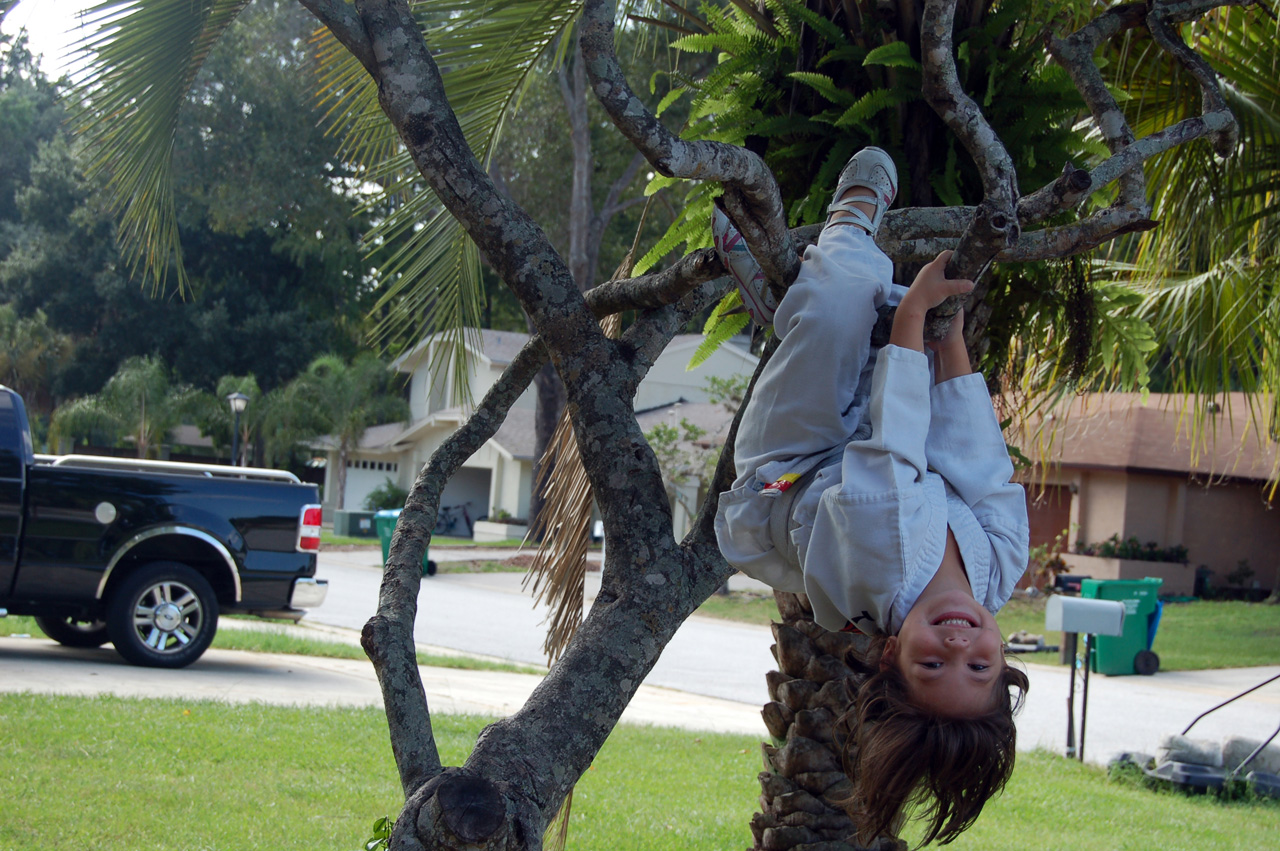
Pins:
<point x="15" y="448"/>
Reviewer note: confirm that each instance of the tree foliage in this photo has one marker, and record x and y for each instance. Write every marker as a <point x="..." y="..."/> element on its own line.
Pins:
<point x="139" y="403"/>
<point x="337" y="399"/>
<point x="265" y="207"/>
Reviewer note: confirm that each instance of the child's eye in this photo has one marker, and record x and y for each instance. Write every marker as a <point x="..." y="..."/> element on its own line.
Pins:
<point x="976" y="667"/>
<point x="931" y="665"/>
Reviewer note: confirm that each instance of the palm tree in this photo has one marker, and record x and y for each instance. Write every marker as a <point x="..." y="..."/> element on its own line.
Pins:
<point x="138" y="402"/>
<point x="336" y="399"/>
<point x="1210" y="276"/>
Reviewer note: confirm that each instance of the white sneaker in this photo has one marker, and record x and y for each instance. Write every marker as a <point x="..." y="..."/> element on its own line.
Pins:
<point x="873" y="169"/>
<point x="736" y="257"/>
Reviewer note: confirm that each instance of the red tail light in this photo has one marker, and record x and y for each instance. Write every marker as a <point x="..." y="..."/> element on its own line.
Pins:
<point x="309" y="529"/>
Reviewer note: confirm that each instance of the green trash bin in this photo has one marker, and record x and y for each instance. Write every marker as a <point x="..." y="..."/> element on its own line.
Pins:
<point x="385" y="521"/>
<point x="1129" y="653"/>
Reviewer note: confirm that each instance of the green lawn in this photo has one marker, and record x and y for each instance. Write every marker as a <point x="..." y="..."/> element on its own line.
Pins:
<point x="1057" y="804"/>
<point x="146" y="774"/>
<point x="745" y="606"/>
<point x="328" y="539"/>
<point x="1192" y="636"/>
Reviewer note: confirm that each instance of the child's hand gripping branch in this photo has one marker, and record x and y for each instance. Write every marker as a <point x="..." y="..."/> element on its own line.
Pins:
<point x="931" y="288"/>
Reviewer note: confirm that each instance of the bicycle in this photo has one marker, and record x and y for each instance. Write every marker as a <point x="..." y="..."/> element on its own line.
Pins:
<point x="454" y="521"/>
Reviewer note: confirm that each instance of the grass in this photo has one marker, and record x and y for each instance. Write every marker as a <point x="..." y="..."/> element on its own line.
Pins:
<point x="744" y="606"/>
<point x="1195" y="636"/>
<point x="478" y="567"/>
<point x="272" y="641"/>
<point x="328" y="539"/>
<point x="1057" y="804"/>
<point x="206" y="775"/>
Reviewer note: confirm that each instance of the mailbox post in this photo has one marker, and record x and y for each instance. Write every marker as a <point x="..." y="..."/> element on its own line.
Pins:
<point x="1074" y="615"/>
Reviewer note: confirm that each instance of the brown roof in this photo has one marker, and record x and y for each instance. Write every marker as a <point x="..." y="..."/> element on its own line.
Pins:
<point x="1118" y="431"/>
<point x="516" y="434"/>
<point x="713" y="419"/>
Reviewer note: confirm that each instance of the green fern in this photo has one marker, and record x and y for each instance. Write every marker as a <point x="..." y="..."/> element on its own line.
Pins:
<point x="896" y="54"/>
<point x="726" y="322"/>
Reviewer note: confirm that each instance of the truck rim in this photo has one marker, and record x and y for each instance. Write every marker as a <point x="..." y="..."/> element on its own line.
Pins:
<point x="168" y="616"/>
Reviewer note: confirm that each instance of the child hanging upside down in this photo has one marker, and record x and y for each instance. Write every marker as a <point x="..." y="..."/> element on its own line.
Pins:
<point x="876" y="481"/>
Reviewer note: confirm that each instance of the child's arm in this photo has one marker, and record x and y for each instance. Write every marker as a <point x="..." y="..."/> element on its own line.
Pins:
<point x="950" y="357"/>
<point x="965" y="444"/>
<point x="966" y="447"/>
<point x="930" y="288"/>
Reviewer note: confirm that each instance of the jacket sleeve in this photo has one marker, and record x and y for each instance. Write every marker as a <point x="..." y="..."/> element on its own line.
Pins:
<point x="966" y="447"/>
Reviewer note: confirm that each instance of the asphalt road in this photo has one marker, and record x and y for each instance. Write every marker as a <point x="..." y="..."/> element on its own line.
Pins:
<point x="489" y="614"/>
<point x="711" y="677"/>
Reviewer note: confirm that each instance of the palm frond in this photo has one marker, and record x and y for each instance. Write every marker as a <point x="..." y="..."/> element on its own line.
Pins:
<point x="1208" y="276"/>
<point x="142" y="59"/>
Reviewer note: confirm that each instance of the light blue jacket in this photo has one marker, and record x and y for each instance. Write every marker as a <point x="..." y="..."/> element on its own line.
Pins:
<point x="869" y="527"/>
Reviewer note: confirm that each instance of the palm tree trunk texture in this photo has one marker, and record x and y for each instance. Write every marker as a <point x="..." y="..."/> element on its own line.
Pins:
<point x="803" y="782"/>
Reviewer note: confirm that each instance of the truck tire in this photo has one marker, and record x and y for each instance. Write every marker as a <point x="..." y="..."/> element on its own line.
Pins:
<point x="74" y="632"/>
<point x="163" y="616"/>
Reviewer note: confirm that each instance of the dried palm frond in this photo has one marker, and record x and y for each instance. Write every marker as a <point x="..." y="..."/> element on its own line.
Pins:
<point x="559" y="570"/>
<point x="558" y="573"/>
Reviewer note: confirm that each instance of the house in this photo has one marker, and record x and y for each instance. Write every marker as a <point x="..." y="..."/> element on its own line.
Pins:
<point x="497" y="480"/>
<point x="1111" y="464"/>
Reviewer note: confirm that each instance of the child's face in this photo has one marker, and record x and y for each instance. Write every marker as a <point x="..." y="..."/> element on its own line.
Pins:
<point x="951" y="655"/>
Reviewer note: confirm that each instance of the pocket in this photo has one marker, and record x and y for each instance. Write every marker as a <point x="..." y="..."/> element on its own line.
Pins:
<point x="742" y="525"/>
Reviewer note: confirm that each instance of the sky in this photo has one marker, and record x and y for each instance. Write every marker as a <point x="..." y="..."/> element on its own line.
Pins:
<point x="51" y="28"/>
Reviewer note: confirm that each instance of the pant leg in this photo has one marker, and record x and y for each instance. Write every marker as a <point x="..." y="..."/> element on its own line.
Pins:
<point x="804" y="404"/>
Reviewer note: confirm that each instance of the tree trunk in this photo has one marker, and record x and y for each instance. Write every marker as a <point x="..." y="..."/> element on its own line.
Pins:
<point x="340" y="478"/>
<point x="804" y="780"/>
<point x="549" y="390"/>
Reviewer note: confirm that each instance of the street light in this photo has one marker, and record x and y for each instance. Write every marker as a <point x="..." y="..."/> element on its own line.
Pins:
<point x="238" y="402"/>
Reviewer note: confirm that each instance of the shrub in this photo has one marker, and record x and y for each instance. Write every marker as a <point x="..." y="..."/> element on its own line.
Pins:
<point x="1132" y="548"/>
<point x="386" y="495"/>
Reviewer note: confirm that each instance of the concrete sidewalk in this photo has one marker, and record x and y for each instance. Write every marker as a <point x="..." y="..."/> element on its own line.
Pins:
<point x="42" y="666"/>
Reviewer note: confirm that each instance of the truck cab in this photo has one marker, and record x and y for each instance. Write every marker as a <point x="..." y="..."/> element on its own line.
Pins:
<point x="148" y="554"/>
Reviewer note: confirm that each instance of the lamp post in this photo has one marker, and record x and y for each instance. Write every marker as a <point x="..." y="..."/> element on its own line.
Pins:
<point x="238" y="402"/>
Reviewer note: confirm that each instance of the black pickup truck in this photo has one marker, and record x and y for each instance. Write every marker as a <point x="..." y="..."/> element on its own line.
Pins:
<point x="146" y="554"/>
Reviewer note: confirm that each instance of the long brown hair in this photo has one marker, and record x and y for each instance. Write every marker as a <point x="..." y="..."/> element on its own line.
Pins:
<point x="900" y="756"/>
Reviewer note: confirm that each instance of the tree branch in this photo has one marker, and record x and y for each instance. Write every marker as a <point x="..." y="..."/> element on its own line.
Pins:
<point x="1165" y="34"/>
<point x="995" y="225"/>
<point x="388" y="636"/>
<point x="412" y="95"/>
<point x="752" y="198"/>
<point x="1075" y="55"/>
<point x="345" y="24"/>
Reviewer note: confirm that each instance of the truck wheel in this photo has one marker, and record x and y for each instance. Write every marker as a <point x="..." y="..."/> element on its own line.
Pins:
<point x="163" y="616"/>
<point x="74" y="632"/>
